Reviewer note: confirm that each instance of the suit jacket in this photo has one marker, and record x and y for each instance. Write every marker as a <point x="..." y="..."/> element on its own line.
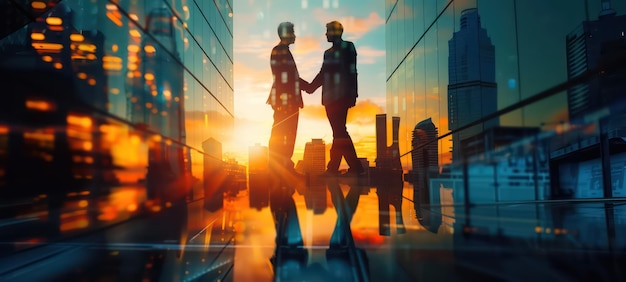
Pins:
<point x="286" y="92"/>
<point x="338" y="76"/>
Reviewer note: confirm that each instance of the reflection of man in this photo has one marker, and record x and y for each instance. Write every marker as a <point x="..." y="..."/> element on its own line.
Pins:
<point x="285" y="99"/>
<point x="338" y="77"/>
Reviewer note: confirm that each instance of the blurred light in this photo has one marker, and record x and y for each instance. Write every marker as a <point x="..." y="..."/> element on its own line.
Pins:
<point x="132" y="67"/>
<point x="87" y="145"/>
<point x="134" y="17"/>
<point x="149" y="49"/>
<point x="77" y="37"/>
<point x="88" y="160"/>
<point x="133" y="48"/>
<point x="115" y="91"/>
<point x="54" y="21"/>
<point x="112" y="67"/>
<point x="168" y="204"/>
<point x="134" y="139"/>
<point x="134" y="33"/>
<point x="87" y="47"/>
<point x="82" y="75"/>
<point x="4" y="129"/>
<point x="131" y="207"/>
<point x="83" y="203"/>
<point x="39" y="5"/>
<point x="156" y="138"/>
<point x="46" y="59"/>
<point x="149" y="76"/>
<point x="114" y="16"/>
<point x="538" y="229"/>
<point x="91" y="57"/>
<point x="114" y="48"/>
<point x="58" y="65"/>
<point x="84" y="122"/>
<point x="168" y="142"/>
<point x="164" y="113"/>
<point x="148" y="105"/>
<point x="167" y="93"/>
<point x="512" y="83"/>
<point x="37" y="36"/>
<point x="111" y="7"/>
<point x="40" y="105"/>
<point x="50" y="47"/>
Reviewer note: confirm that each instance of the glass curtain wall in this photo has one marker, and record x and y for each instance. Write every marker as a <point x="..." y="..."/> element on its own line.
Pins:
<point x="525" y="97"/>
<point x="119" y="104"/>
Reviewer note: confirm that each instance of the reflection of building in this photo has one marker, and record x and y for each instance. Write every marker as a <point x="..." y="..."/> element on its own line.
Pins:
<point x="387" y="157"/>
<point x="213" y="174"/>
<point x="51" y="138"/>
<point x="425" y="153"/>
<point x="515" y="171"/>
<point x="314" y="158"/>
<point x="472" y="91"/>
<point x="589" y="46"/>
<point x="495" y="138"/>
<point x="258" y="176"/>
<point x="583" y="165"/>
<point x="425" y="159"/>
<point x="156" y="101"/>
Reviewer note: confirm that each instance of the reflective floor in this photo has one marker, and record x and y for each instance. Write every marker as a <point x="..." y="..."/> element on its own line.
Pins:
<point x="327" y="229"/>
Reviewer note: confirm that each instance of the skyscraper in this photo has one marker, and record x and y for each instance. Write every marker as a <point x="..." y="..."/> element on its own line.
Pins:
<point x="387" y="157"/>
<point x="588" y="47"/>
<point x="314" y="158"/>
<point x="425" y="154"/>
<point x="472" y="90"/>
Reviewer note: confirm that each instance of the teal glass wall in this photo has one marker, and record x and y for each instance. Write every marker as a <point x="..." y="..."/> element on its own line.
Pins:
<point x="543" y="139"/>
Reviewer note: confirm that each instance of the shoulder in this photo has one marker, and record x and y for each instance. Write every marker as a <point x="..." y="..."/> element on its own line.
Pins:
<point x="280" y="49"/>
<point x="348" y="45"/>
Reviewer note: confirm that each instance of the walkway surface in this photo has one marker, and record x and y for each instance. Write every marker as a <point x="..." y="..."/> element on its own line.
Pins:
<point x="328" y="229"/>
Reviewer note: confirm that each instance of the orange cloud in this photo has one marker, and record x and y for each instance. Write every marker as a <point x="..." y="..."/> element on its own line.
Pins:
<point x="306" y="45"/>
<point x="364" y="112"/>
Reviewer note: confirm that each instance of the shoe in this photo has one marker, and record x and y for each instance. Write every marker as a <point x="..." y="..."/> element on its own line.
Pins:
<point x="329" y="173"/>
<point x="354" y="173"/>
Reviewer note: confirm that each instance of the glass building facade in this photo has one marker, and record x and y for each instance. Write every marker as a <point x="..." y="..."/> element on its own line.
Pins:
<point x="106" y="107"/>
<point x="524" y="95"/>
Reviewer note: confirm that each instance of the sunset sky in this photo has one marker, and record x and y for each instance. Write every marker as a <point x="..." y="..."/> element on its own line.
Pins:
<point x="254" y="37"/>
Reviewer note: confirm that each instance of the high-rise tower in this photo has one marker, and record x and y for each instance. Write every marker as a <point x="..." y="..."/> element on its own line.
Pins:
<point x="589" y="47"/>
<point x="472" y="90"/>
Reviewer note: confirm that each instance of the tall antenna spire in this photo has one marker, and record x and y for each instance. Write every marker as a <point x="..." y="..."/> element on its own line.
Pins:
<point x="606" y="8"/>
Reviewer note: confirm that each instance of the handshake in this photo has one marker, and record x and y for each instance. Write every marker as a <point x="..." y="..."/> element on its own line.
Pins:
<point x="307" y="87"/>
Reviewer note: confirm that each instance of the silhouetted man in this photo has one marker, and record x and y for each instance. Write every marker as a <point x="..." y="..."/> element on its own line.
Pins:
<point x="338" y="77"/>
<point x="285" y="99"/>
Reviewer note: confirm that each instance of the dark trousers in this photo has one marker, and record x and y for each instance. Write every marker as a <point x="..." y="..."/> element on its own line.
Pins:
<point x="283" y="138"/>
<point x="337" y="114"/>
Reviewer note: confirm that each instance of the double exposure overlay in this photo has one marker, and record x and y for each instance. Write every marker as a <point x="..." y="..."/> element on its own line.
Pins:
<point x="197" y="140"/>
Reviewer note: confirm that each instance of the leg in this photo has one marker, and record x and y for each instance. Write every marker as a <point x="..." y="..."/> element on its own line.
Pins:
<point x="337" y="120"/>
<point x="282" y="139"/>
